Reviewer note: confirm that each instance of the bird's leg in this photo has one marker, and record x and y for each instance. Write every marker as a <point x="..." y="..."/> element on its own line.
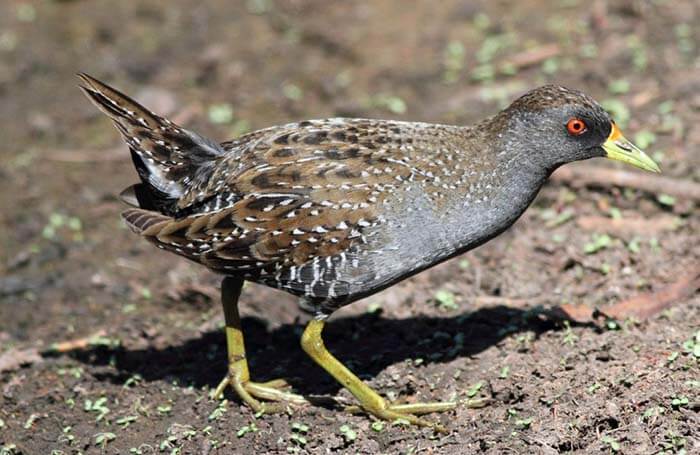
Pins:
<point x="238" y="376"/>
<point x="370" y="401"/>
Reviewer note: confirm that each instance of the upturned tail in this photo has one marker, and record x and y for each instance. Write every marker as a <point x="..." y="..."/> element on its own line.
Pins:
<point x="168" y="158"/>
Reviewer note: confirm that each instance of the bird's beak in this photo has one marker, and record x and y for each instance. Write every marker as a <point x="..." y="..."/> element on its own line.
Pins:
<point x="620" y="149"/>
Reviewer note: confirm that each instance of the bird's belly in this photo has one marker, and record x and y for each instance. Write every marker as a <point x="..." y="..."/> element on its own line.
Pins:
<point x="418" y="247"/>
<point x="424" y="236"/>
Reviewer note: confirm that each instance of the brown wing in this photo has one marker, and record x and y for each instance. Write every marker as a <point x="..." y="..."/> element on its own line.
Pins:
<point x="297" y="192"/>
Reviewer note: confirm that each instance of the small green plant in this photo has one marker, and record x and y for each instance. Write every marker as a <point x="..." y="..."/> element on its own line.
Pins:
<point x="524" y="424"/>
<point x="349" y="435"/>
<point x="59" y="222"/>
<point x="615" y="213"/>
<point x="298" y="439"/>
<point x="244" y="430"/>
<point x="101" y="439"/>
<point x="633" y="245"/>
<point x="524" y="341"/>
<point x="377" y="426"/>
<point x="665" y="199"/>
<point x="554" y="219"/>
<point x="505" y="371"/>
<point x="644" y="139"/>
<point x="30" y="421"/>
<point x="612" y="324"/>
<point x="66" y="436"/>
<point x="125" y="421"/>
<point x="401" y="423"/>
<point x="597" y="243"/>
<point x="292" y="92"/>
<point x="221" y="113"/>
<point x="299" y="427"/>
<point x="594" y="387"/>
<point x="219" y="411"/>
<point x="474" y="389"/>
<point x="674" y="443"/>
<point x="168" y="443"/>
<point x="672" y="357"/>
<point x="570" y="337"/>
<point x="453" y="61"/>
<point x="679" y="402"/>
<point x="618" y="110"/>
<point x="446" y="300"/>
<point x="619" y="87"/>
<point x="652" y="412"/>
<point x="611" y="442"/>
<point x="392" y="103"/>
<point x="133" y="380"/>
<point x="98" y="407"/>
<point x="299" y="432"/>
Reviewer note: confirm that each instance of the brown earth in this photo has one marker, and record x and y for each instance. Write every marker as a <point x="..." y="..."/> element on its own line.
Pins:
<point x="145" y="345"/>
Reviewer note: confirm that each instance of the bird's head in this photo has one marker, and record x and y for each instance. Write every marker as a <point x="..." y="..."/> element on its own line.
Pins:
<point x="553" y="125"/>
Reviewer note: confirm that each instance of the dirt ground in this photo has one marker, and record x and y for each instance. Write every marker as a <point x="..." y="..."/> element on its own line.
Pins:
<point x="109" y="346"/>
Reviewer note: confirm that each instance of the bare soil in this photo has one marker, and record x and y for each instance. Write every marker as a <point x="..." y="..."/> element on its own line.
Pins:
<point x="143" y="328"/>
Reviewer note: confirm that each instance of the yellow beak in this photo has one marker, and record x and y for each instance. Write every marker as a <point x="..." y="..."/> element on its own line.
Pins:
<point x="620" y="149"/>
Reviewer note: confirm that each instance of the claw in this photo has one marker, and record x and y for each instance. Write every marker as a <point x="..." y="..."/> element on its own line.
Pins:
<point x="407" y="412"/>
<point x="252" y="392"/>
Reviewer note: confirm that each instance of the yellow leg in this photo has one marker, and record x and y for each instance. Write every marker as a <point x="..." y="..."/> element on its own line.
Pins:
<point x="370" y="400"/>
<point x="238" y="376"/>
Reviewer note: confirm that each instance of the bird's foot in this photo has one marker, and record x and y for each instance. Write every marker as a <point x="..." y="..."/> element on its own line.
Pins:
<point x="258" y="395"/>
<point x="406" y="412"/>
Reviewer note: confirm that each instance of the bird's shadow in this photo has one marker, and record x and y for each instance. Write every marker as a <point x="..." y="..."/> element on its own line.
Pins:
<point x="367" y="343"/>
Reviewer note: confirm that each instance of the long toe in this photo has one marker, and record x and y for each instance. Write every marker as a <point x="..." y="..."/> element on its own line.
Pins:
<point x="392" y="415"/>
<point x="424" y="408"/>
<point x="258" y="395"/>
<point x="411" y="408"/>
<point x="271" y="391"/>
<point x="407" y="412"/>
<point x="275" y="384"/>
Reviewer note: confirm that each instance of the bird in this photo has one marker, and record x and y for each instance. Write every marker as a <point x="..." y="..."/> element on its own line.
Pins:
<point x="335" y="210"/>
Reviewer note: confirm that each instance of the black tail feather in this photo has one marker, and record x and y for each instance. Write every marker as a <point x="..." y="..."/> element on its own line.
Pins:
<point x="165" y="155"/>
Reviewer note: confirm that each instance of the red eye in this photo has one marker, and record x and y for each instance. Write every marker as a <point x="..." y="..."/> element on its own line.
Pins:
<point x="576" y="126"/>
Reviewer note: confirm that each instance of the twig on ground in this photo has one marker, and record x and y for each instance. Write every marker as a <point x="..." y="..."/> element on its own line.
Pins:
<point x="533" y="56"/>
<point x="655" y="184"/>
<point x="78" y="343"/>
<point x="15" y="358"/>
<point x="490" y="300"/>
<point x="641" y="306"/>
<point x="629" y="226"/>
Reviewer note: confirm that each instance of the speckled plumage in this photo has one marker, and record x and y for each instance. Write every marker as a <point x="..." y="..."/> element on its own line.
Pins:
<point x="337" y="209"/>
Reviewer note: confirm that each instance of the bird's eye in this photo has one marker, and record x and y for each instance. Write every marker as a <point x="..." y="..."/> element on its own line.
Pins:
<point x="576" y="126"/>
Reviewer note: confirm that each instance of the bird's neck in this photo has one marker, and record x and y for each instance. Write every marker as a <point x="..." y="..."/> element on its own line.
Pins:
<point x="510" y="187"/>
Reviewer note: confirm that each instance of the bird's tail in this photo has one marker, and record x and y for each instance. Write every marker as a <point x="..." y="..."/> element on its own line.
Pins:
<point x="167" y="156"/>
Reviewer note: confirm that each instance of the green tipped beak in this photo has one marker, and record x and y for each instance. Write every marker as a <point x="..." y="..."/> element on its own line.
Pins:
<point x="620" y="149"/>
